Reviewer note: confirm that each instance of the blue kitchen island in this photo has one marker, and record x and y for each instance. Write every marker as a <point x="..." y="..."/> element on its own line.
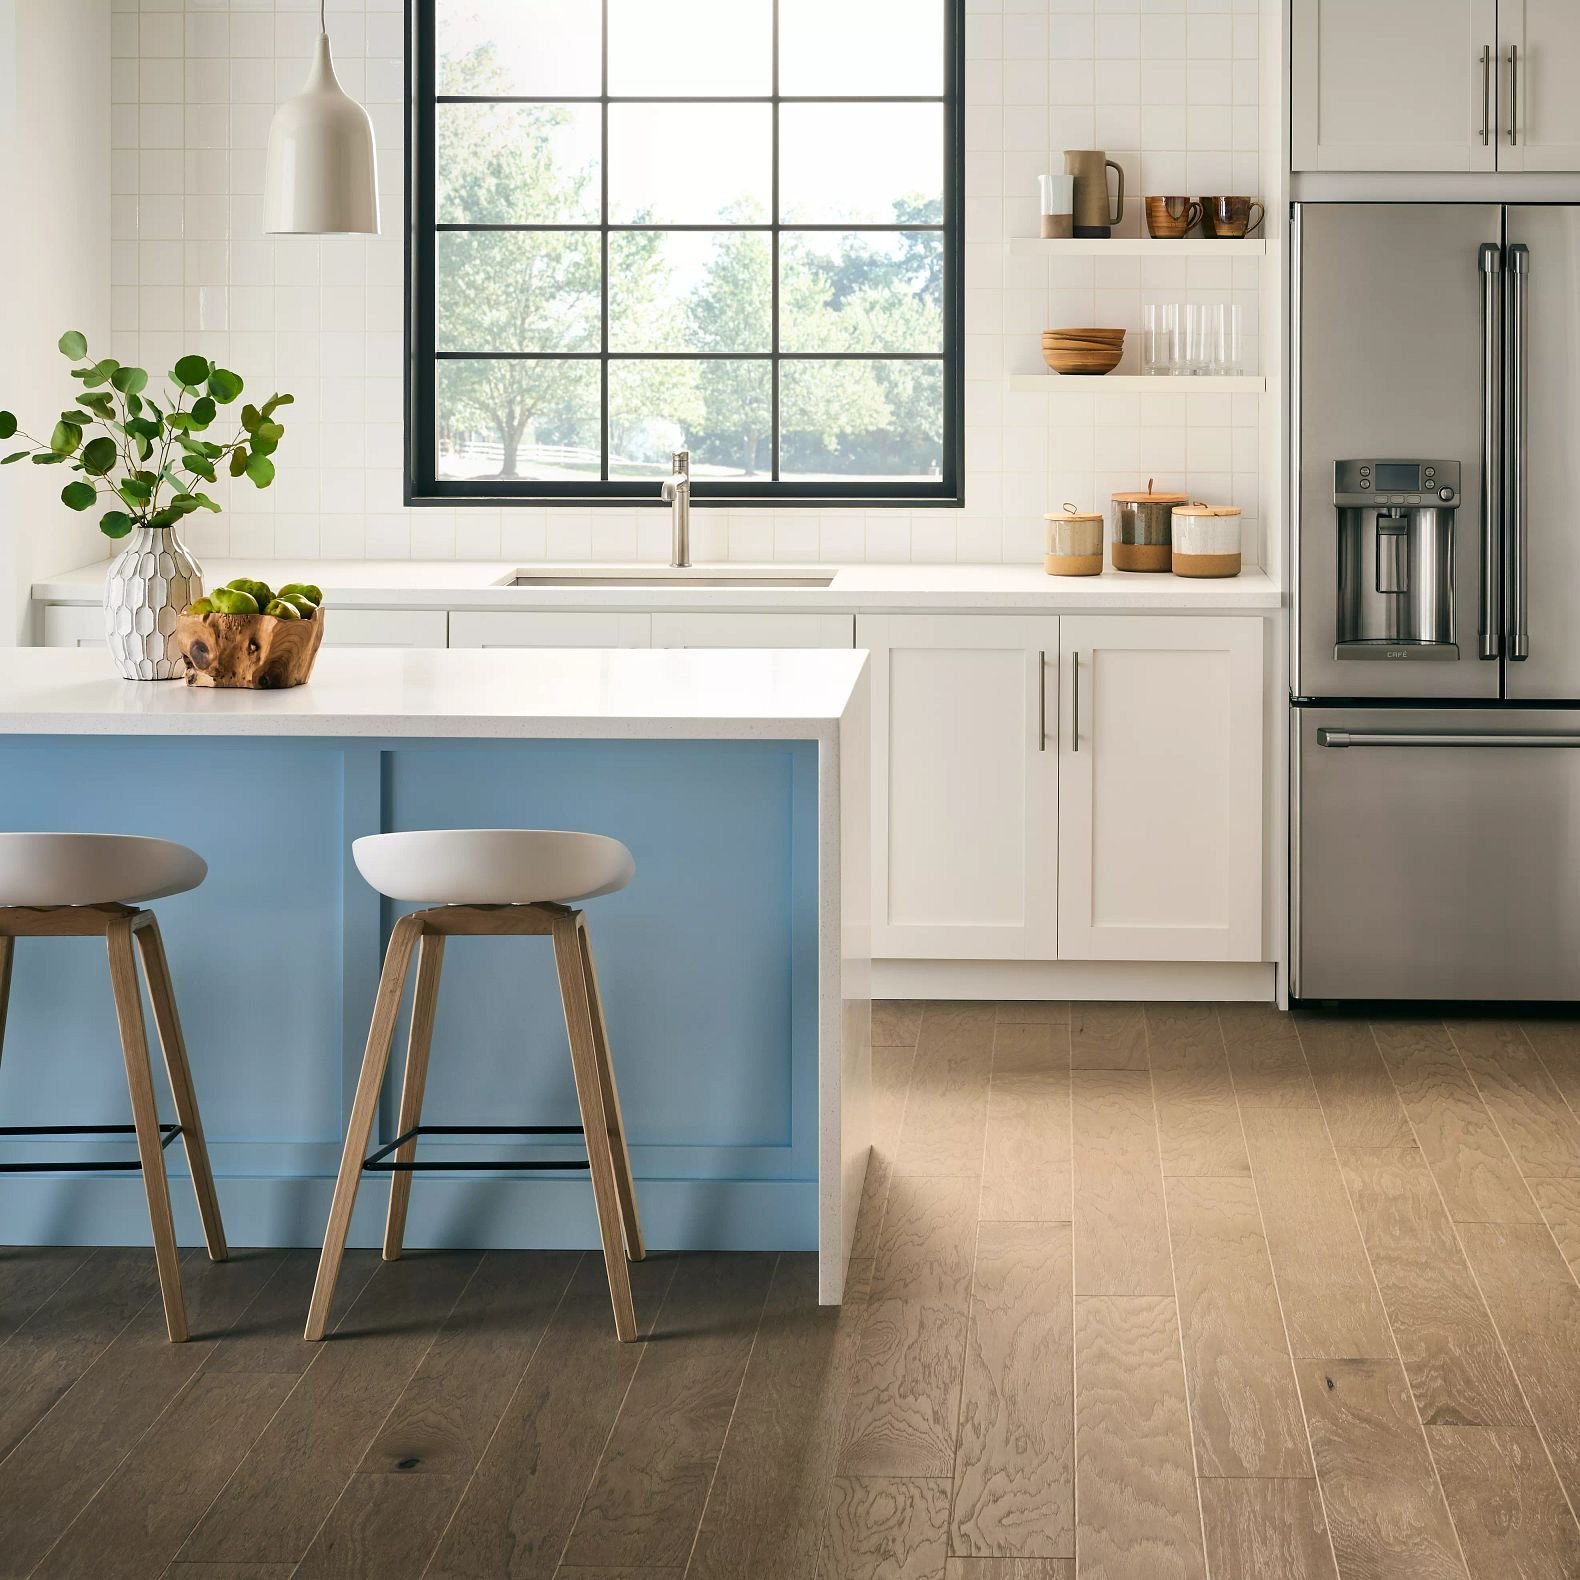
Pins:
<point x="734" y="968"/>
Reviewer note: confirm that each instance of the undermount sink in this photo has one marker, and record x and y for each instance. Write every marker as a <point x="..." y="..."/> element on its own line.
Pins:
<point x="625" y="579"/>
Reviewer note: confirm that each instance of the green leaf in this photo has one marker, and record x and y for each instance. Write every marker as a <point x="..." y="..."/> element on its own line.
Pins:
<point x="134" y="406"/>
<point x="261" y="470"/>
<point x="135" y="492"/>
<point x="250" y="417"/>
<point x="202" y="412"/>
<point x="73" y="344"/>
<point x="224" y="385"/>
<point x="78" y="495"/>
<point x="261" y="446"/>
<point x="47" y="458"/>
<point x="276" y="401"/>
<point x="99" y="404"/>
<point x="99" y="373"/>
<point x="130" y="381"/>
<point x="164" y="518"/>
<point x="115" y="523"/>
<point x="269" y="430"/>
<point x="65" y="439"/>
<point x="15" y="456"/>
<point x="179" y="421"/>
<point x="207" y="503"/>
<point x="238" y="460"/>
<point x="143" y="428"/>
<point x="7" y="425"/>
<point x="98" y="456"/>
<point x="190" y="372"/>
<point x="198" y="467"/>
<point x="184" y="502"/>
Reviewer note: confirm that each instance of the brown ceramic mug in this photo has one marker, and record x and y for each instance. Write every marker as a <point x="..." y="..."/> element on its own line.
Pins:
<point x="1171" y="216"/>
<point x="1229" y="216"/>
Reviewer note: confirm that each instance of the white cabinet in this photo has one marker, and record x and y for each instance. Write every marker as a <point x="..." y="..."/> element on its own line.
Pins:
<point x="549" y="628"/>
<point x="1539" y="114"/>
<point x="1435" y="85"/>
<point x="741" y="628"/>
<point x="965" y="785"/>
<point x="386" y="627"/>
<point x="1394" y="84"/>
<point x="73" y="625"/>
<point x="1160" y="788"/>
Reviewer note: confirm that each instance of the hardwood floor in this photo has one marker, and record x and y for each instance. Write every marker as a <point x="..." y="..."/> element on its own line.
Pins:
<point x="1180" y="1292"/>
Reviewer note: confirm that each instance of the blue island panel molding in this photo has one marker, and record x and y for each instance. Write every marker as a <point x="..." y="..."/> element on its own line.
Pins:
<point x="707" y="964"/>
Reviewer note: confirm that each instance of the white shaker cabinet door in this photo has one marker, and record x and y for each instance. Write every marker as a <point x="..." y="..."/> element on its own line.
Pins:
<point x="965" y="785"/>
<point x="550" y="628"/>
<point x="763" y="628"/>
<point x="1160" y="788"/>
<point x="1395" y="84"/>
<point x="1539" y="69"/>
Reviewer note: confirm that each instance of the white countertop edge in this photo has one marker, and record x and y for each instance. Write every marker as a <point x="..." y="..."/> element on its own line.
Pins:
<point x="485" y="585"/>
<point x="445" y="693"/>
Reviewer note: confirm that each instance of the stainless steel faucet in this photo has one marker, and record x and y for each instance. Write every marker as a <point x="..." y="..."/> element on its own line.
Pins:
<point x="676" y="493"/>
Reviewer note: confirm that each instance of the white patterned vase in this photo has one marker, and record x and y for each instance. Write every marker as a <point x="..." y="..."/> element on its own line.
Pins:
<point x="150" y="582"/>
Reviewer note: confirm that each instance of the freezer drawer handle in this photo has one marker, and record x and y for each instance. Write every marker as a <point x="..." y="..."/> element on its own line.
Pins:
<point x="1499" y="738"/>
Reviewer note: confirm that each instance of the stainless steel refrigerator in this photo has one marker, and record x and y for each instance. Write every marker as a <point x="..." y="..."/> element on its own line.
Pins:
<point x="1435" y="664"/>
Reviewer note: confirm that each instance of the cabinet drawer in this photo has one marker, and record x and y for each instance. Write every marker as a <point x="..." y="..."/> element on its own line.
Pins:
<point x="537" y="628"/>
<point x="386" y="627"/>
<point x="731" y="628"/>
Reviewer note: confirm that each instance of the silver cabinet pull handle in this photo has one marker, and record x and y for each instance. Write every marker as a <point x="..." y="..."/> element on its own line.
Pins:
<point x="1349" y="738"/>
<point x="1514" y="94"/>
<point x="1042" y="701"/>
<point x="1486" y="93"/>
<point x="1490" y="619"/>
<point x="1075" y="702"/>
<point x="1517" y="401"/>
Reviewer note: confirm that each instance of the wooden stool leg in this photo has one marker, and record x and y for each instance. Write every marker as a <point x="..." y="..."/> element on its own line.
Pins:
<point x="613" y="1119"/>
<point x="162" y="995"/>
<point x="589" y="1096"/>
<point x="425" y="1004"/>
<point x="145" y="1119"/>
<point x="7" y="952"/>
<point x="375" y="1061"/>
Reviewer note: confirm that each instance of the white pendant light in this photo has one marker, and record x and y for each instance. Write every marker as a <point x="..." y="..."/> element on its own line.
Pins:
<point x="322" y="173"/>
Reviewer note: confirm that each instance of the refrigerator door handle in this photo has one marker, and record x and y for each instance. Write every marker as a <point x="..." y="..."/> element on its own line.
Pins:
<point x="1494" y="738"/>
<point x="1517" y="392"/>
<point x="1489" y="623"/>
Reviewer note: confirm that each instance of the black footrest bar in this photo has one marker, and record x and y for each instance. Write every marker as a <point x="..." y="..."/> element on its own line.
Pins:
<point x="376" y="1162"/>
<point x="168" y="1133"/>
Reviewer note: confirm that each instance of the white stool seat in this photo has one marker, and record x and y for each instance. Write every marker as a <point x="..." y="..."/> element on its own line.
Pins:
<point x="493" y="866"/>
<point x="94" y="869"/>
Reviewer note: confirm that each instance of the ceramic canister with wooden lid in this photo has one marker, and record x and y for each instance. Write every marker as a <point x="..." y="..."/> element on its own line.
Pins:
<point x="1206" y="540"/>
<point x="1075" y="542"/>
<point x="1143" y="539"/>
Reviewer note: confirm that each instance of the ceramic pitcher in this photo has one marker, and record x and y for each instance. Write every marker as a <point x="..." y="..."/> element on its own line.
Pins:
<point x="1090" y="167"/>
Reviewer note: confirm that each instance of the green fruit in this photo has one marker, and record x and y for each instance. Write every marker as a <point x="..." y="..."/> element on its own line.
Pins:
<point x="259" y="590"/>
<point x="200" y="606"/>
<point x="233" y="600"/>
<point x="306" y="589"/>
<point x="304" y="605"/>
<point x="282" y="610"/>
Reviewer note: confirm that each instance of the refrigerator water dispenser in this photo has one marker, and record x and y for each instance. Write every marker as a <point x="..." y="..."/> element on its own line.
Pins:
<point x="1395" y="559"/>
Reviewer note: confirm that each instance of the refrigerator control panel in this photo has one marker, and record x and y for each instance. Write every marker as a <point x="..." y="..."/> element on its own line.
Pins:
<point x="1378" y="483"/>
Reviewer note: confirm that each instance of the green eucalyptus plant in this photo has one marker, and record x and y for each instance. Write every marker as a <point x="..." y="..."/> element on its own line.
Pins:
<point x="140" y="459"/>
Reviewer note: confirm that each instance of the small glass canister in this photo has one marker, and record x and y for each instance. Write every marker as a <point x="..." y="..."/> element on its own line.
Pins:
<point x="1206" y="540"/>
<point x="1142" y="538"/>
<point x="1075" y="542"/>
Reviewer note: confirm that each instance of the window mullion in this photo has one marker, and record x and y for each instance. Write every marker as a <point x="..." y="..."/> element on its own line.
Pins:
<point x="773" y="283"/>
<point x="603" y="239"/>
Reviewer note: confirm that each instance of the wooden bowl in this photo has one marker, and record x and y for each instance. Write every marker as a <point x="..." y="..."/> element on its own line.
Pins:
<point x="259" y="652"/>
<point x="1112" y="337"/>
<point x="1075" y="356"/>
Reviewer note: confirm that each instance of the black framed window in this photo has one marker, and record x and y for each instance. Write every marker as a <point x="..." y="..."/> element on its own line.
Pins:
<point x="727" y="226"/>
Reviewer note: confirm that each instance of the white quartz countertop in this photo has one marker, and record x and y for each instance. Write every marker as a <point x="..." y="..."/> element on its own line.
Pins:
<point x="544" y="693"/>
<point x="486" y="584"/>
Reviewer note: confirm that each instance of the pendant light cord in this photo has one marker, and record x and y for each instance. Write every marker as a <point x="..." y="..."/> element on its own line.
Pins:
<point x="323" y="7"/>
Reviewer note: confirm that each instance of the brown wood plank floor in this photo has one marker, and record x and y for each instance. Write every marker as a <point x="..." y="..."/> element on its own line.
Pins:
<point x="1174" y="1292"/>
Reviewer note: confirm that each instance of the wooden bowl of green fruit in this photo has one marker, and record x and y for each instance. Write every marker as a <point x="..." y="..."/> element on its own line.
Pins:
<point x="246" y="634"/>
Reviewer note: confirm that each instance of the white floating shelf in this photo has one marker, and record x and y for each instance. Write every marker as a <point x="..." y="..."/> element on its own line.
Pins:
<point x="1132" y="383"/>
<point x="1137" y="247"/>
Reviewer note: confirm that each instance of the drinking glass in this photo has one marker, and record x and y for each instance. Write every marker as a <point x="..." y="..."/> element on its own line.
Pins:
<point x="1160" y="337"/>
<point x="1196" y="356"/>
<point x="1227" y="353"/>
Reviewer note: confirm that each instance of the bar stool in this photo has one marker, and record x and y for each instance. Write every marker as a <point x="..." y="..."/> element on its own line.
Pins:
<point x="91" y="886"/>
<point x="487" y="883"/>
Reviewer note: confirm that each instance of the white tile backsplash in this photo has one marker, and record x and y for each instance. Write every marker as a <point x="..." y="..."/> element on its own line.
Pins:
<point x="1168" y="87"/>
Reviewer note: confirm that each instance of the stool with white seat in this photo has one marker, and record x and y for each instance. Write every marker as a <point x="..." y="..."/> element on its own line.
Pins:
<point x="92" y="886"/>
<point x="489" y="883"/>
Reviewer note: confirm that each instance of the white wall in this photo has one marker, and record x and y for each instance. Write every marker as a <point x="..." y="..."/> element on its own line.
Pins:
<point x="1169" y="87"/>
<point x="54" y="268"/>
